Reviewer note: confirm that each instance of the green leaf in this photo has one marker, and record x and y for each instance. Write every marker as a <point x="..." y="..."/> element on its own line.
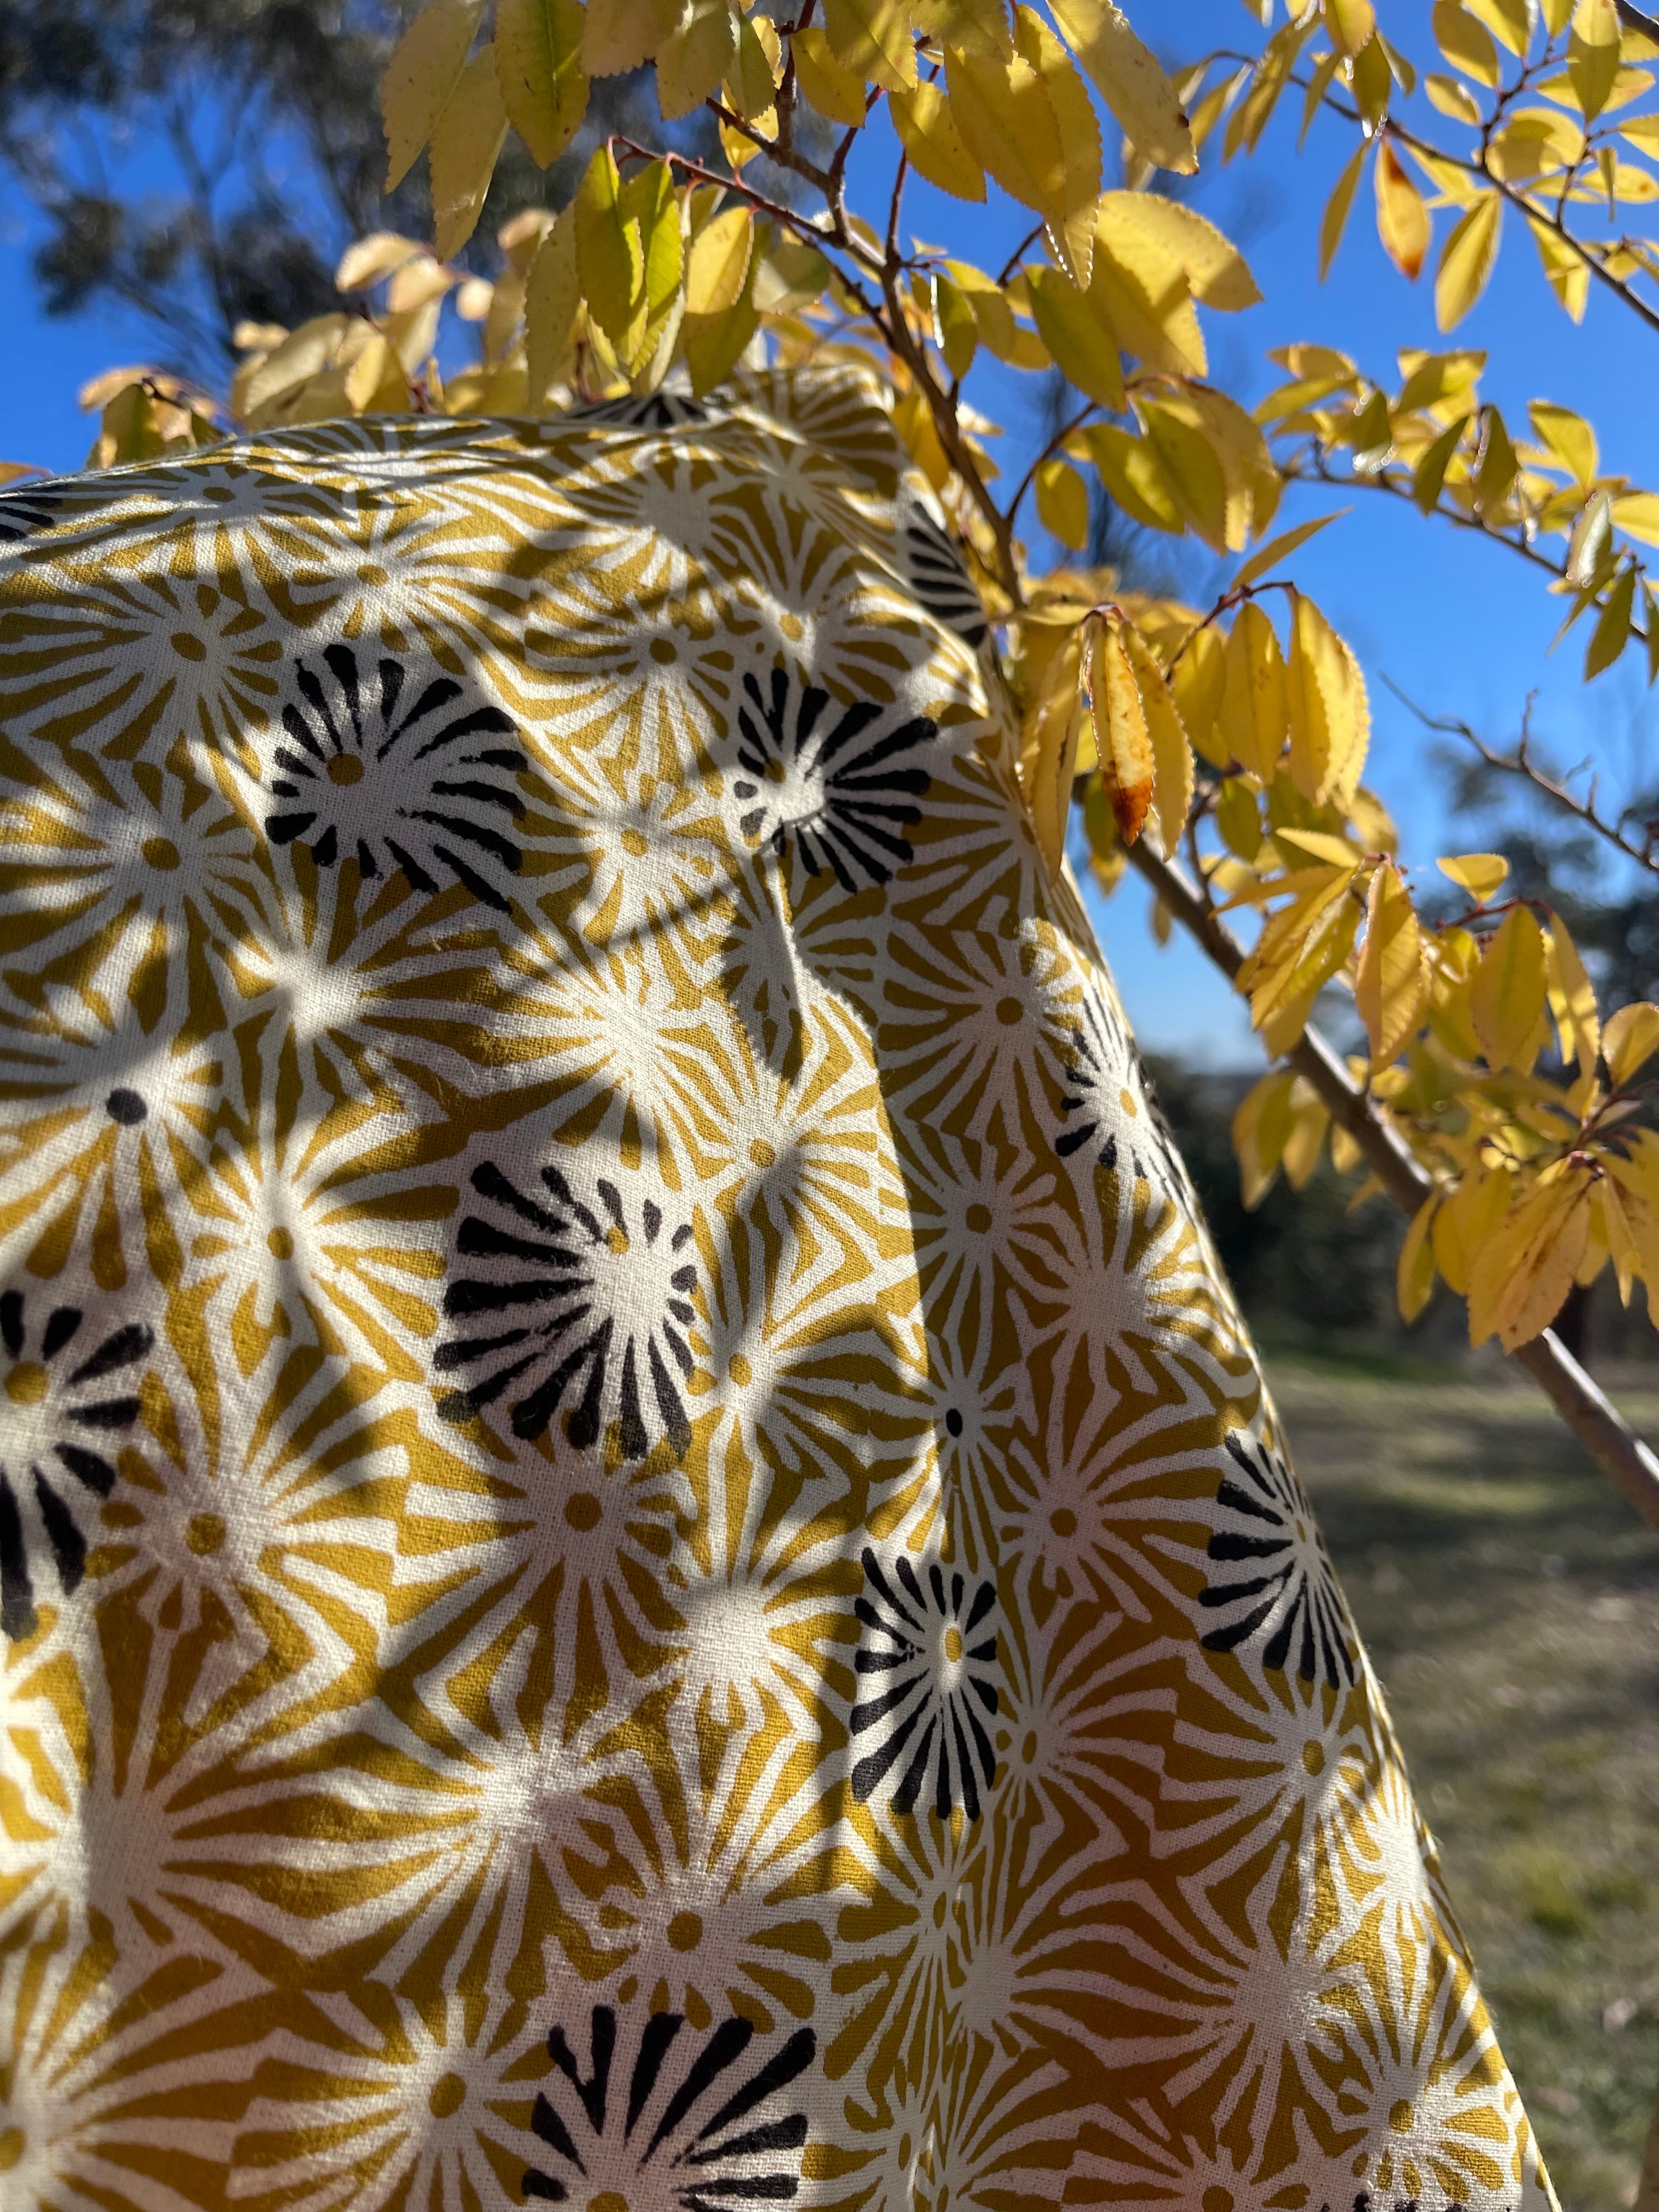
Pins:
<point x="610" y="254"/>
<point x="1431" y="469"/>
<point x="1611" y="632"/>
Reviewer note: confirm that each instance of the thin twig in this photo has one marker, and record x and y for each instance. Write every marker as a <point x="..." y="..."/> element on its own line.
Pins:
<point x="1317" y="473"/>
<point x="1597" y="1424"/>
<point x="1519" y="763"/>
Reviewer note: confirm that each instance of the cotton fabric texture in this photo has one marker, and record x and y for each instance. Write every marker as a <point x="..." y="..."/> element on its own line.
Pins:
<point x="644" y="1565"/>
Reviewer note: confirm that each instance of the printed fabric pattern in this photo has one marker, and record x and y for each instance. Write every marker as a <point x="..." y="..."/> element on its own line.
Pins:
<point x="643" y="1562"/>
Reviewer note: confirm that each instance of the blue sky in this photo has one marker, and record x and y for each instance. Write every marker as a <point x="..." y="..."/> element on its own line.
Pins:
<point x="1463" y="628"/>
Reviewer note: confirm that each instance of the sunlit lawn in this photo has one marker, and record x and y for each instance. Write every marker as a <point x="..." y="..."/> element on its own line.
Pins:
<point x="1510" y="1601"/>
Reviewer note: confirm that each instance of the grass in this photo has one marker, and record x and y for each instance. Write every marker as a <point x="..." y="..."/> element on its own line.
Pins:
<point x="1511" y="1601"/>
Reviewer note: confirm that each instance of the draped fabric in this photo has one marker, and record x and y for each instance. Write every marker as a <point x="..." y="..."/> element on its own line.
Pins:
<point x="644" y="1562"/>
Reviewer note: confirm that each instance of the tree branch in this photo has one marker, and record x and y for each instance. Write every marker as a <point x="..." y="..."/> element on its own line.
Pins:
<point x="1518" y="764"/>
<point x="1593" y="1420"/>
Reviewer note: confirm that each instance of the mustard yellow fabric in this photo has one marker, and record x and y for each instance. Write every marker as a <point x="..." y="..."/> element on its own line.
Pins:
<point x="644" y="1565"/>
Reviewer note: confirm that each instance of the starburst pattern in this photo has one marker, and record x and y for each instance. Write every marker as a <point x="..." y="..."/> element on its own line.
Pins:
<point x="927" y="1670"/>
<point x="399" y="767"/>
<point x="695" y="2123"/>
<point x="832" y="781"/>
<point x="577" y="1304"/>
<point x="1272" y="1577"/>
<point x="70" y="1397"/>
<point x="618" y="1578"/>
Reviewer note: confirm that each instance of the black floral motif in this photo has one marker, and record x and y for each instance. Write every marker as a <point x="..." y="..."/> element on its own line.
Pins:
<point x="835" y="792"/>
<point x="1099" y="1063"/>
<point x="54" y="1416"/>
<point x="659" y="2144"/>
<point x="940" y="580"/>
<point x="649" y="410"/>
<point x="25" y="507"/>
<point x="375" y="752"/>
<point x="928" y="1672"/>
<point x="591" y="1306"/>
<point x="1284" y="1585"/>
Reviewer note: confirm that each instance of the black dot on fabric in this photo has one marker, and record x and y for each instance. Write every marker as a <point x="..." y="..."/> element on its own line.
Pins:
<point x="953" y="1422"/>
<point x="126" y="1107"/>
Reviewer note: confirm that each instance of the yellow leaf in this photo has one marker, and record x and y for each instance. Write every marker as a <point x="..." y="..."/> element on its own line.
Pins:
<point x="1392" y="980"/>
<point x="1139" y="289"/>
<point x="1619" y="1236"/>
<point x="1007" y="123"/>
<point x="1084" y="351"/>
<point x="1543" y="1252"/>
<point x="1593" y="54"/>
<point x="695" y="56"/>
<point x="1135" y="476"/>
<point x="928" y="134"/>
<point x="539" y="60"/>
<point x="1630" y="1040"/>
<point x="872" y="39"/>
<point x="1256" y="709"/>
<point x="1466" y="260"/>
<point x="1506" y="996"/>
<point x="1572" y="999"/>
<point x="913" y="418"/>
<point x="552" y="295"/>
<point x="1216" y="271"/>
<point x="1350" y="24"/>
<point x="1278" y="548"/>
<point x="624" y="34"/>
<point x="978" y="27"/>
<point x="1611" y="632"/>
<point x="1062" y="502"/>
<point x="1453" y="98"/>
<point x="752" y="86"/>
<point x="1048" y="751"/>
<point x="421" y="77"/>
<point x="713" y="343"/>
<point x="1478" y="873"/>
<point x="1467" y="1219"/>
<point x="954" y="326"/>
<point x="718" y="267"/>
<point x="1466" y="44"/>
<point x="1310" y="1121"/>
<point x="366" y="260"/>
<point x="1636" y="512"/>
<point x="1511" y="22"/>
<point x="1253" y="482"/>
<point x="1329" y="714"/>
<point x="834" y="91"/>
<point x="1260" y="1128"/>
<point x="1128" y="769"/>
<point x="1192" y="467"/>
<point x="1334" y="221"/>
<point x="1402" y="220"/>
<point x="1130" y="82"/>
<point x="609" y="254"/>
<point x="1570" y="440"/>
<point x="1414" y="1270"/>
<point x="465" y="146"/>
<point x="1173" y="774"/>
<point x="1566" y="269"/>
<point x="1198" y="682"/>
<point x="1078" y="192"/>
